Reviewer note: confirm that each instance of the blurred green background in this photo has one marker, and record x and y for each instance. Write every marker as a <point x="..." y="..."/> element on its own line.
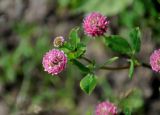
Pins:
<point x="27" y="30"/>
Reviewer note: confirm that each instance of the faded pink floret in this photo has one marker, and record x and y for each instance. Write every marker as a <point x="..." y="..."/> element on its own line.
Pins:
<point x="155" y="60"/>
<point x="95" y="24"/>
<point x="58" y="41"/>
<point x="106" y="108"/>
<point x="54" y="61"/>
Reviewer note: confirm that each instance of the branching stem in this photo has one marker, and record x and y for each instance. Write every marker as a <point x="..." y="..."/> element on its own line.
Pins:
<point x="118" y="68"/>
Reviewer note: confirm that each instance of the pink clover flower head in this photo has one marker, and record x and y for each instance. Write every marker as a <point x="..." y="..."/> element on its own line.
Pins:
<point x="155" y="60"/>
<point x="106" y="108"/>
<point x="95" y="24"/>
<point x="54" y="61"/>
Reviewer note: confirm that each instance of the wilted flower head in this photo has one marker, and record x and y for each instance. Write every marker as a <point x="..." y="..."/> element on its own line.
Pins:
<point x="95" y="24"/>
<point x="106" y="108"/>
<point x="58" y="41"/>
<point x="54" y="61"/>
<point x="155" y="60"/>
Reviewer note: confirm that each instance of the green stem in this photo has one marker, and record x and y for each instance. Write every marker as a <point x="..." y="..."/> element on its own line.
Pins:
<point x="113" y="68"/>
<point x="119" y="68"/>
<point x="86" y="59"/>
<point x="146" y="65"/>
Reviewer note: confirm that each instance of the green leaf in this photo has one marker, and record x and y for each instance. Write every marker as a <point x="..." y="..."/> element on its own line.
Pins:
<point x="78" y="52"/>
<point x="131" y="69"/>
<point x="135" y="39"/>
<point x="118" y="44"/>
<point x="74" y="48"/>
<point x="74" y="39"/>
<point x="67" y="46"/>
<point x="88" y="83"/>
<point x="111" y="60"/>
<point x="80" y="66"/>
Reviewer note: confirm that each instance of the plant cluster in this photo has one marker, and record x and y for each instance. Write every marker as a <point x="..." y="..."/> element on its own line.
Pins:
<point x="95" y="25"/>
